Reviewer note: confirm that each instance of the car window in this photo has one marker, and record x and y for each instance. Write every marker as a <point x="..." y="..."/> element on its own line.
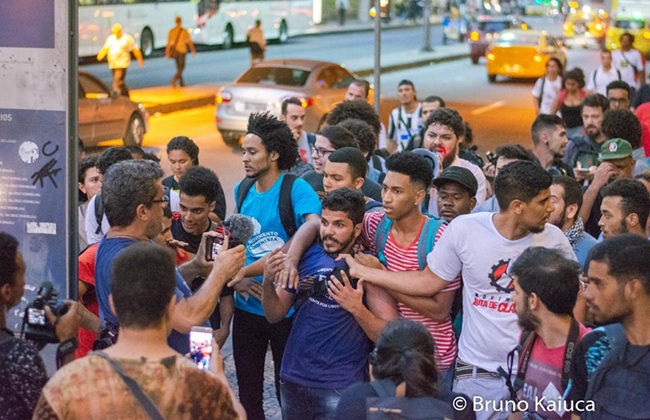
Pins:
<point x="493" y="26"/>
<point x="510" y="38"/>
<point x="282" y="76"/>
<point x="551" y="42"/>
<point x="91" y="89"/>
<point x="629" y="24"/>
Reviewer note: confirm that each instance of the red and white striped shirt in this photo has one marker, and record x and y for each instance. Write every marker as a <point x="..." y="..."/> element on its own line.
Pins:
<point x="401" y="259"/>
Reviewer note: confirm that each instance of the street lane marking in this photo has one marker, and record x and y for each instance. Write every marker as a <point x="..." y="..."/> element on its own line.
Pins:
<point x="488" y="108"/>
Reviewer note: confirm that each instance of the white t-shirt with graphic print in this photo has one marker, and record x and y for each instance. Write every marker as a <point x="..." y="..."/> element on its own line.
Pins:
<point x="472" y="246"/>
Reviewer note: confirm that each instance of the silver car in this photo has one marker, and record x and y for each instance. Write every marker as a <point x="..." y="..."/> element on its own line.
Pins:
<point x="320" y="85"/>
<point x="104" y="115"/>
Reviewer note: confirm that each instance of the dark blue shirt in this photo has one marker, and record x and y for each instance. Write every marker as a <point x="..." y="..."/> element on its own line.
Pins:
<point x="326" y="347"/>
<point x="108" y="250"/>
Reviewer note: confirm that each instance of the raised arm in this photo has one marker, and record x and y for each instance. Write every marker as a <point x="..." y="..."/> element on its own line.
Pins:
<point x="276" y="301"/>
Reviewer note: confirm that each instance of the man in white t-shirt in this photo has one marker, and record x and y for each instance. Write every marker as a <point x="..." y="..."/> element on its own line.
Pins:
<point x="118" y="47"/>
<point x="444" y="135"/>
<point x="481" y="247"/>
<point x="629" y="61"/>
<point x="602" y="76"/>
<point x="405" y="122"/>
<point x="547" y="88"/>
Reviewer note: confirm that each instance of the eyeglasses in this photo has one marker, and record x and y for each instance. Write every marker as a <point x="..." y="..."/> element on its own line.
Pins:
<point x="320" y="152"/>
<point x="619" y="100"/>
<point x="164" y="200"/>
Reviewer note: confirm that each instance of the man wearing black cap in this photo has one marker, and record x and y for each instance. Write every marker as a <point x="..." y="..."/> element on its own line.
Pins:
<point x="405" y="122"/>
<point x="456" y="192"/>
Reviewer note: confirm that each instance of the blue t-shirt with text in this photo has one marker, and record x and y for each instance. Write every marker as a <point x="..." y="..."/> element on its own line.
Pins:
<point x="108" y="250"/>
<point x="269" y="234"/>
<point x="327" y="348"/>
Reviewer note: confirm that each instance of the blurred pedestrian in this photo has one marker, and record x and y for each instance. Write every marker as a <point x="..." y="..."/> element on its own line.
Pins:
<point x="568" y="102"/>
<point x="178" y="42"/>
<point x="257" y="43"/>
<point x="342" y="6"/>
<point x="629" y="61"/>
<point x="118" y="48"/>
<point x="603" y="75"/>
<point x="547" y="88"/>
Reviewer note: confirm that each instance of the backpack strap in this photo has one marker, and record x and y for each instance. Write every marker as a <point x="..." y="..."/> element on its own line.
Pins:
<point x="541" y="92"/>
<point x="427" y="239"/>
<point x="615" y="334"/>
<point x="244" y="186"/>
<point x="619" y="74"/>
<point x="99" y="212"/>
<point x="287" y="215"/>
<point x="384" y="388"/>
<point x="381" y="237"/>
<point x="134" y="387"/>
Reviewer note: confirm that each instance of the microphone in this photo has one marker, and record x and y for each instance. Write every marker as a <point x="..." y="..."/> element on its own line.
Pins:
<point x="240" y="227"/>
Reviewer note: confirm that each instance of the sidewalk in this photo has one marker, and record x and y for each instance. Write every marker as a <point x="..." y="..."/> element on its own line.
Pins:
<point x="166" y="99"/>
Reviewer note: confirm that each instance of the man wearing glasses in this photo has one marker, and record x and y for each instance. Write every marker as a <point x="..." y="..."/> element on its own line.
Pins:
<point x="618" y="95"/>
<point x="134" y="200"/>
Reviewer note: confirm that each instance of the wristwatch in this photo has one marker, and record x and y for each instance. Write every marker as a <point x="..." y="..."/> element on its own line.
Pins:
<point x="65" y="348"/>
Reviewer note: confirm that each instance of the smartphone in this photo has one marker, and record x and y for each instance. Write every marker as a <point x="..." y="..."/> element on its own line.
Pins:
<point x="214" y="244"/>
<point x="201" y="346"/>
<point x="581" y="170"/>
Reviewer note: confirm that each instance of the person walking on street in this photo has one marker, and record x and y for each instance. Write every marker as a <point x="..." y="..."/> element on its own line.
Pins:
<point x="118" y="48"/>
<point x="257" y="43"/>
<point x="342" y="6"/>
<point x="178" y="42"/>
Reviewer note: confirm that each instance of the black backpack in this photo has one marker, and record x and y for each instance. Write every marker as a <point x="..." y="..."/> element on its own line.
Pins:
<point x="387" y="406"/>
<point x="620" y="386"/>
<point x="285" y="204"/>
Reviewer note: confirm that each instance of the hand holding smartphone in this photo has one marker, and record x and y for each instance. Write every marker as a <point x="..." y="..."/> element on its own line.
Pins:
<point x="214" y="244"/>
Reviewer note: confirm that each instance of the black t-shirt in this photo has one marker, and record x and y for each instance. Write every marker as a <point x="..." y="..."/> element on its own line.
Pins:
<point x="352" y="404"/>
<point x="220" y="198"/>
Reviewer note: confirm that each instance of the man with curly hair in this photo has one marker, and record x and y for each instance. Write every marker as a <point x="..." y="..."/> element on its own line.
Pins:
<point x="269" y="148"/>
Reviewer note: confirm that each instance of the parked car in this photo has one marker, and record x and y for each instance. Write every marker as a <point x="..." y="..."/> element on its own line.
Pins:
<point x="485" y="30"/>
<point x="318" y="84"/>
<point x="522" y="54"/>
<point x="104" y="115"/>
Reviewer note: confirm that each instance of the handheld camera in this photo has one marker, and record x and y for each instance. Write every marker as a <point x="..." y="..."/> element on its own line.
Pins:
<point x="35" y="324"/>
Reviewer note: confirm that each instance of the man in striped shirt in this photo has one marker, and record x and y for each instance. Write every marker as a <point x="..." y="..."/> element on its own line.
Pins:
<point x="408" y="177"/>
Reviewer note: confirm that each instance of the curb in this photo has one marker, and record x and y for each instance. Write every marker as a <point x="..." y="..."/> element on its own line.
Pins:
<point x="180" y="105"/>
<point x="419" y="63"/>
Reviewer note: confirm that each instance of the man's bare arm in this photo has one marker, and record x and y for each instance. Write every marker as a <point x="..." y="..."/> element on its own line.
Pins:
<point x="436" y="307"/>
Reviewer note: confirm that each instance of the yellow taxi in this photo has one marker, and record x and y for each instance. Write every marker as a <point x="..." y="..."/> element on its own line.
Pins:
<point x="522" y="54"/>
<point x="584" y="28"/>
<point x="638" y="27"/>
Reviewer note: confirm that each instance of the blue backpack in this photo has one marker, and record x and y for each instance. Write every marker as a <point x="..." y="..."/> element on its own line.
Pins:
<point x="425" y="242"/>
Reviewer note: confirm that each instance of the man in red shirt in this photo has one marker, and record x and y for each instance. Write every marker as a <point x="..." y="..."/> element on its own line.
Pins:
<point x="546" y="286"/>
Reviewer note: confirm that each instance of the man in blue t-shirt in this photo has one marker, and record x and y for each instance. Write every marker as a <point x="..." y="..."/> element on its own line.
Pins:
<point x="134" y="199"/>
<point x="269" y="148"/>
<point x="328" y="345"/>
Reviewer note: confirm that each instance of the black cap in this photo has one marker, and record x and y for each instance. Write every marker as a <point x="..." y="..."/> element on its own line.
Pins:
<point x="459" y="175"/>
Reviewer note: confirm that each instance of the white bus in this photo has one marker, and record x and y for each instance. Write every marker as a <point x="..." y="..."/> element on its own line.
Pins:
<point x="226" y="22"/>
<point x="148" y="21"/>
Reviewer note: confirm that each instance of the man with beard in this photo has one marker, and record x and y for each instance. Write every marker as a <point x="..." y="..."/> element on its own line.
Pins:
<point x="443" y="133"/>
<point x="549" y="144"/>
<point x="582" y="152"/>
<point x="545" y="290"/>
<point x="617" y="162"/>
<point x="481" y="246"/>
<point x="566" y="195"/>
<point x="328" y="345"/>
<point x="624" y="209"/>
<point x="611" y="364"/>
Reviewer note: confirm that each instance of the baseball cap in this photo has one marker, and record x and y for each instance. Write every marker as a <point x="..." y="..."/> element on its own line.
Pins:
<point x="615" y="149"/>
<point x="459" y="175"/>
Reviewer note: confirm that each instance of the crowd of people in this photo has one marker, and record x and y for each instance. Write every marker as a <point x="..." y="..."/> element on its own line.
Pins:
<point x="386" y="270"/>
